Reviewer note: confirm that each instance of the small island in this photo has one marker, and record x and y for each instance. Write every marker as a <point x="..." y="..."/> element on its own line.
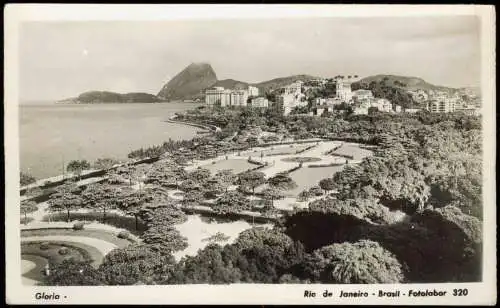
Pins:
<point x="96" y="97"/>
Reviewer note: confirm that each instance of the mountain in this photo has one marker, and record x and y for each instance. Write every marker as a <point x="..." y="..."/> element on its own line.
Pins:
<point x="404" y="82"/>
<point x="273" y="84"/>
<point x="95" y="97"/>
<point x="189" y="83"/>
<point x="232" y="84"/>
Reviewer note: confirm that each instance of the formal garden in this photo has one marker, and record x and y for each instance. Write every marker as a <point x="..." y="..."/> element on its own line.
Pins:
<point x="228" y="224"/>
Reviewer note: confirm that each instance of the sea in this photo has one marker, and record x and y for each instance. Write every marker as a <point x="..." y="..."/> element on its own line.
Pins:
<point x="51" y="135"/>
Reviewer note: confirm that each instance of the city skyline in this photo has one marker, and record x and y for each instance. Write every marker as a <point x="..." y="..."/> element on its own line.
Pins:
<point x="63" y="59"/>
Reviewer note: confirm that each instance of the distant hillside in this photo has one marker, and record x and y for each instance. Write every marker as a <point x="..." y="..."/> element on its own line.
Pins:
<point x="231" y="84"/>
<point x="404" y="82"/>
<point x="189" y="83"/>
<point x="273" y="84"/>
<point x="94" y="97"/>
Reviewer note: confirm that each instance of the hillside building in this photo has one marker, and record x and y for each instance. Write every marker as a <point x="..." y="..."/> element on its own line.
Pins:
<point x="253" y="91"/>
<point x="442" y="106"/>
<point x="362" y="94"/>
<point x="343" y="90"/>
<point x="259" y="102"/>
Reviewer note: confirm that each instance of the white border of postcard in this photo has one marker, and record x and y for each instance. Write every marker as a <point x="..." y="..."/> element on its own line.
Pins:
<point x="482" y="293"/>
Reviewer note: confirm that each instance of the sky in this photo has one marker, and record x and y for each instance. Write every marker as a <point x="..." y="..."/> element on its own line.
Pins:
<point x="63" y="59"/>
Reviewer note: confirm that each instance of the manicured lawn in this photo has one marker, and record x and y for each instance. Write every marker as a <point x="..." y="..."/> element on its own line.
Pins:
<point x="307" y="177"/>
<point x="237" y="165"/>
<point x="98" y="234"/>
<point x="353" y="150"/>
<point x="199" y="229"/>
<point x="78" y="251"/>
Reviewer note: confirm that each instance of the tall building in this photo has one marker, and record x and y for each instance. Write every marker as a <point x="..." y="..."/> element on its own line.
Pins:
<point x="238" y="98"/>
<point x="343" y="90"/>
<point x="442" y="106"/>
<point x="218" y="96"/>
<point x="253" y="91"/>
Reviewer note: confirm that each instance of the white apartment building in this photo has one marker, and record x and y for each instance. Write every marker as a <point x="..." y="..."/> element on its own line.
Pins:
<point x="382" y="104"/>
<point x="253" y="91"/>
<point x="362" y="94"/>
<point x="259" y="102"/>
<point x="442" y="106"/>
<point x="239" y="98"/>
<point x="343" y="90"/>
<point x="218" y="96"/>
<point x="331" y="101"/>
<point x="397" y="108"/>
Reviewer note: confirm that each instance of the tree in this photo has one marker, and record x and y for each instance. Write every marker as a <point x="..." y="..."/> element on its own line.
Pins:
<point x="231" y="202"/>
<point x="282" y="181"/>
<point x="226" y="176"/>
<point x="164" y="239"/>
<point x="199" y="175"/>
<point x="136" y="264"/>
<point x="132" y="202"/>
<point x="100" y="196"/>
<point x="316" y="191"/>
<point x="327" y="184"/>
<point x="105" y="163"/>
<point x="214" y="264"/>
<point x="252" y="179"/>
<point x="72" y="272"/>
<point x="347" y="263"/>
<point x="77" y="167"/>
<point x="304" y="195"/>
<point x="26" y="179"/>
<point x="272" y="193"/>
<point x="66" y="197"/>
<point x="28" y="207"/>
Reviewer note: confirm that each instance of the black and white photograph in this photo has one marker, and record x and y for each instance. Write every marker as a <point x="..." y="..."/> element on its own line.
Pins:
<point x="328" y="154"/>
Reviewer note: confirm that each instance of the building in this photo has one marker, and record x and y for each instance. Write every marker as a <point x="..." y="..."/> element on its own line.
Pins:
<point x="218" y="96"/>
<point x="259" y="102"/>
<point x="382" y="104"/>
<point x="362" y="94"/>
<point x="343" y="90"/>
<point x="412" y="110"/>
<point x="291" y="96"/>
<point x="238" y="98"/>
<point x="331" y="101"/>
<point x="442" y="106"/>
<point x="397" y="108"/>
<point x="253" y="91"/>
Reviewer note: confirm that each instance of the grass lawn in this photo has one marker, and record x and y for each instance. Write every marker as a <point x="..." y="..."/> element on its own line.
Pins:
<point x="98" y="234"/>
<point x="78" y="251"/>
<point x="237" y="165"/>
<point x="307" y="177"/>
<point x="353" y="150"/>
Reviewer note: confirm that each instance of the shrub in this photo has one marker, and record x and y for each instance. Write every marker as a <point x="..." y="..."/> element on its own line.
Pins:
<point x="44" y="246"/>
<point x="214" y="162"/>
<point x="123" y="235"/>
<point x="26" y="220"/>
<point x="63" y="251"/>
<point x="78" y="225"/>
